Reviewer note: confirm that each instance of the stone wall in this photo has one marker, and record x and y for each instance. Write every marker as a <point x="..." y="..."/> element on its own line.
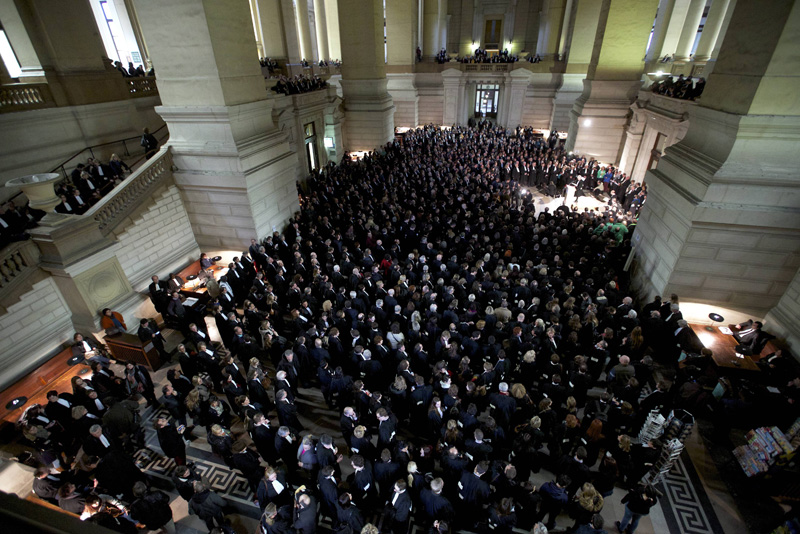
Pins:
<point x="159" y="239"/>
<point x="782" y="319"/>
<point x="683" y="249"/>
<point x="36" y="141"/>
<point x="32" y="330"/>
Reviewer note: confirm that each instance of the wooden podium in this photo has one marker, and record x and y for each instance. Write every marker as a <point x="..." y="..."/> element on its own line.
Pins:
<point x="129" y="348"/>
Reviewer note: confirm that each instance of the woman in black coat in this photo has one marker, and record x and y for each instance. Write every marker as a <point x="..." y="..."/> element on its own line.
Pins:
<point x="221" y="442"/>
<point x="170" y="440"/>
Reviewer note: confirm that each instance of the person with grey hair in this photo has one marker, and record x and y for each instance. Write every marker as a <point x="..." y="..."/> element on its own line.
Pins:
<point x="673" y="316"/>
<point x="287" y="411"/>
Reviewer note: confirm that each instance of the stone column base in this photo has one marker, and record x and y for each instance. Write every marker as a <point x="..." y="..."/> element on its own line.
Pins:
<point x="598" y="118"/>
<point x="369" y="113"/>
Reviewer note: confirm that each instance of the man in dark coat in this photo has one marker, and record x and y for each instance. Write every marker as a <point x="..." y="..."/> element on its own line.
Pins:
<point x="151" y="508"/>
<point x="305" y="515"/>
<point x="170" y="440"/>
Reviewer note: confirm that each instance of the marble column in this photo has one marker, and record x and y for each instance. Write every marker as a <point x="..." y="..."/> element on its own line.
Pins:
<point x="271" y="22"/>
<point x="689" y="31"/>
<point x="332" y="20"/>
<point x="562" y="41"/>
<point x="550" y="23"/>
<point x="723" y="31"/>
<point x="304" y="30"/>
<point x="722" y="220"/>
<point x="665" y="9"/>
<point x="233" y="167"/>
<point x="598" y="118"/>
<point x="75" y="69"/>
<point x="517" y="82"/>
<point x="430" y="28"/>
<point x="454" y="87"/>
<point x="711" y="29"/>
<point x="321" y="22"/>
<point x="633" y="142"/>
<point x="584" y="32"/>
<point x="369" y="108"/>
<point x="401" y="20"/>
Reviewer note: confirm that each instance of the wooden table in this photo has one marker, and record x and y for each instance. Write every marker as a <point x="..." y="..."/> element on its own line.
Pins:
<point x="129" y="348"/>
<point x="192" y="288"/>
<point x="723" y="347"/>
<point x="54" y="374"/>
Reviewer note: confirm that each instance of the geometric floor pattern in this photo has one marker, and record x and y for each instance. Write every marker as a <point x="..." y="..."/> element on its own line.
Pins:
<point x="686" y="509"/>
<point x="228" y="483"/>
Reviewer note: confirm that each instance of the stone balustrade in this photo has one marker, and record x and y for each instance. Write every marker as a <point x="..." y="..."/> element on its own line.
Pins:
<point x="17" y="259"/>
<point x="118" y="204"/>
<point x="25" y="96"/>
<point x="19" y="270"/>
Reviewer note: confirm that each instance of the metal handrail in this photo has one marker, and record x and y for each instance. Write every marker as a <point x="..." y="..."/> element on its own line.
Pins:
<point x="62" y="166"/>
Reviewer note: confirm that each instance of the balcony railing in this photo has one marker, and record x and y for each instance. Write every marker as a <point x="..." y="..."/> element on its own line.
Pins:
<point x="24" y="97"/>
<point x="142" y="86"/>
<point x="16" y="259"/>
<point x="125" y="198"/>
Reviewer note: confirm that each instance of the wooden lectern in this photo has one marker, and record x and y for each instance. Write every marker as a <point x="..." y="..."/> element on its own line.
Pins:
<point x="129" y="348"/>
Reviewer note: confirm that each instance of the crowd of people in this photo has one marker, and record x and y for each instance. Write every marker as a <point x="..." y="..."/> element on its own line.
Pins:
<point x="89" y="182"/>
<point x="132" y="71"/>
<point x="15" y="221"/>
<point x="467" y="342"/>
<point x="480" y="56"/>
<point x="683" y="88"/>
<point x="300" y="83"/>
<point x="274" y="67"/>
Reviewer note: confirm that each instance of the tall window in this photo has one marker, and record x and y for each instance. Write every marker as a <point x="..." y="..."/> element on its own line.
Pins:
<point x="486" y="100"/>
<point x="116" y="32"/>
<point x="9" y="57"/>
<point x="492" y="34"/>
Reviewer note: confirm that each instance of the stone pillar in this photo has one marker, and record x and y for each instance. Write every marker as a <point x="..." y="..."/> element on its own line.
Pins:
<point x="454" y="85"/>
<point x="368" y="106"/>
<point x="401" y="28"/>
<point x="633" y="142"/>
<point x="708" y="39"/>
<point x="430" y="35"/>
<point x="321" y="22"/>
<point x="84" y="267"/>
<point x="517" y="82"/>
<point x="76" y="70"/>
<point x="562" y="41"/>
<point x="782" y="319"/>
<point x="613" y="79"/>
<point x="584" y="32"/>
<point x="722" y="219"/>
<point x="663" y="17"/>
<point x="689" y="32"/>
<point x="332" y="20"/>
<point x="400" y="19"/>
<point x="723" y="31"/>
<point x="234" y="168"/>
<point x="550" y="22"/>
<point x="303" y="30"/>
<point x="272" y="30"/>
